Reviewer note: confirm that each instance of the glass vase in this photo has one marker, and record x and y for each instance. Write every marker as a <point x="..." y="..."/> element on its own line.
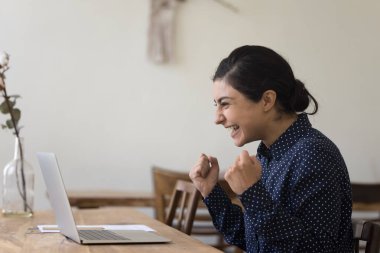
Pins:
<point x="18" y="184"/>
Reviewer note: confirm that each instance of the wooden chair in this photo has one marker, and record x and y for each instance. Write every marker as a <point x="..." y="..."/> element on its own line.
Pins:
<point x="365" y="198"/>
<point x="368" y="231"/>
<point x="164" y="181"/>
<point x="182" y="207"/>
<point x="163" y="184"/>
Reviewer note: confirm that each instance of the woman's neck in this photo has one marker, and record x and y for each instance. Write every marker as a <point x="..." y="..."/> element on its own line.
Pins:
<point x="277" y="126"/>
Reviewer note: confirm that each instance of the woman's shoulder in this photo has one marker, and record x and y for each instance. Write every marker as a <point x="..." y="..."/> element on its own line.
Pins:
<point x="315" y="140"/>
<point x="315" y="146"/>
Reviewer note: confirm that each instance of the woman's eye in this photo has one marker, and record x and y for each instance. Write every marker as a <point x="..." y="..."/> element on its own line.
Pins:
<point x="221" y="104"/>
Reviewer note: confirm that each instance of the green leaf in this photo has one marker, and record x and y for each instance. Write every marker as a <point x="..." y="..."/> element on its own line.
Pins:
<point x="9" y="124"/>
<point x="3" y="126"/>
<point x="16" y="114"/>
<point x="4" y="106"/>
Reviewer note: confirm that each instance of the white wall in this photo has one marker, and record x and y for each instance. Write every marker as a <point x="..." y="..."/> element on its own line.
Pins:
<point x="90" y="94"/>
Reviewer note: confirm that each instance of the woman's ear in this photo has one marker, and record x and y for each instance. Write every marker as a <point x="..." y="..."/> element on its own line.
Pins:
<point x="269" y="100"/>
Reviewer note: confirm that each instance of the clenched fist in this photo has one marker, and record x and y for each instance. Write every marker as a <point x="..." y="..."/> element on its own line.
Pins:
<point x="205" y="174"/>
<point x="244" y="173"/>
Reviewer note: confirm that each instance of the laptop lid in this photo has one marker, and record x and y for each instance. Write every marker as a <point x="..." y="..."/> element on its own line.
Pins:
<point x="64" y="216"/>
<point x="57" y="195"/>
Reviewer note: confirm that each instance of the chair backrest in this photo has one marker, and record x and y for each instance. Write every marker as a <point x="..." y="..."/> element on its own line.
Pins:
<point x="182" y="207"/>
<point x="164" y="182"/>
<point x="368" y="231"/>
<point x="365" y="197"/>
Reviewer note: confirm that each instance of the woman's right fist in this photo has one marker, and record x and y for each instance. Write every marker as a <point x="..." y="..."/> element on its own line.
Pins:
<point x="205" y="174"/>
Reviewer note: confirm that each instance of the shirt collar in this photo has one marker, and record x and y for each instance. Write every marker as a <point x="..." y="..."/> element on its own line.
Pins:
<point x="297" y="130"/>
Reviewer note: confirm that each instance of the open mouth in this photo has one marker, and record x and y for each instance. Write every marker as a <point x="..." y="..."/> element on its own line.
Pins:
<point x="233" y="129"/>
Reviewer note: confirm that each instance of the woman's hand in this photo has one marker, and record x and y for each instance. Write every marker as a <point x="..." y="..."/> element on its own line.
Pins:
<point x="205" y="174"/>
<point x="245" y="172"/>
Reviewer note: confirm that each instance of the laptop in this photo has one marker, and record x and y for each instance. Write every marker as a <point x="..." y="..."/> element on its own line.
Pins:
<point x="65" y="219"/>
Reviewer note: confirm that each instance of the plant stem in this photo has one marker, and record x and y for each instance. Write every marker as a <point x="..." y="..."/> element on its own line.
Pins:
<point x="17" y="133"/>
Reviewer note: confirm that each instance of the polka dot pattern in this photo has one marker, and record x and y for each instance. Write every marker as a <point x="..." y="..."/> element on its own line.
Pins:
<point x="302" y="203"/>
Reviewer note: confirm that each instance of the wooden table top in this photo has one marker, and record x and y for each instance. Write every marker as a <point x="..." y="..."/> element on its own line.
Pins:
<point x="98" y="198"/>
<point x="19" y="234"/>
<point x="357" y="206"/>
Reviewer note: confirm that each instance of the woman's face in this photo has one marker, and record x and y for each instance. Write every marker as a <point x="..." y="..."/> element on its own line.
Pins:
<point x="245" y="119"/>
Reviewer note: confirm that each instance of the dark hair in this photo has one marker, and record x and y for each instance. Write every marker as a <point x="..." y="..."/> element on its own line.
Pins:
<point x="252" y="70"/>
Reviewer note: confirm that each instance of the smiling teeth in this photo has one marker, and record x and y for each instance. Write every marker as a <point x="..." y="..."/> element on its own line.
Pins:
<point x="231" y="128"/>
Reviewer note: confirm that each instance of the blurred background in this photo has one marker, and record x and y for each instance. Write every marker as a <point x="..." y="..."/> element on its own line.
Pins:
<point x="91" y="95"/>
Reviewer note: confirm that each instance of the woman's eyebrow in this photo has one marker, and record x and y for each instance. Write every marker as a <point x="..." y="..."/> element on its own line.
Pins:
<point x="220" y="99"/>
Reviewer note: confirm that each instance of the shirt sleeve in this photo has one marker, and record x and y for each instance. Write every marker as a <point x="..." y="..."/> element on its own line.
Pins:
<point x="309" y="220"/>
<point x="228" y="218"/>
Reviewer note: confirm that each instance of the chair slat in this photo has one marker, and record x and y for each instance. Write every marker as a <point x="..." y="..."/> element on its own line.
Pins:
<point x="185" y="198"/>
<point x="368" y="231"/>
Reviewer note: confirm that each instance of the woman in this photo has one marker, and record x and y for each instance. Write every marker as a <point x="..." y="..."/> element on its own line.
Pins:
<point x="296" y="191"/>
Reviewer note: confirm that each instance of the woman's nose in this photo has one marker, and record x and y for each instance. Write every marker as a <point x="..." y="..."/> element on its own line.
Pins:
<point x="219" y="118"/>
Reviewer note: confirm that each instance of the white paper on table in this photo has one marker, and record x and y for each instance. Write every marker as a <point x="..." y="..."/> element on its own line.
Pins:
<point x="54" y="228"/>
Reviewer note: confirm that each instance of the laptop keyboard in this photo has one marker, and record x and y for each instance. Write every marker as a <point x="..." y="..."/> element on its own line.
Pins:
<point x="100" y="235"/>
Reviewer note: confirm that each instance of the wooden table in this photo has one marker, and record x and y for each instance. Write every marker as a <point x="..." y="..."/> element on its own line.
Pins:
<point x="369" y="207"/>
<point x="98" y="198"/>
<point x="102" y="198"/>
<point x="17" y="235"/>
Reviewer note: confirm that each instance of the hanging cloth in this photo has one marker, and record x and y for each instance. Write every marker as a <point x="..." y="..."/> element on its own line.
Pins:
<point x="161" y="28"/>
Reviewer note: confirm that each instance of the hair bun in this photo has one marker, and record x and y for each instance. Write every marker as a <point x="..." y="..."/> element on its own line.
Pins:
<point x="300" y="99"/>
<point x="299" y="86"/>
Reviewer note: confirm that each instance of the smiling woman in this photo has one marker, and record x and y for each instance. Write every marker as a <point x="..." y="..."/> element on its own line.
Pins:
<point x="296" y="191"/>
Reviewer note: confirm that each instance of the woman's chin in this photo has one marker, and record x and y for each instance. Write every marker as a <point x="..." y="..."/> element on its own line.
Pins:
<point x="239" y="143"/>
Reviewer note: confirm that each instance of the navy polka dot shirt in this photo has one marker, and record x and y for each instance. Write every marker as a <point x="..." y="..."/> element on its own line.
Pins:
<point x="302" y="203"/>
